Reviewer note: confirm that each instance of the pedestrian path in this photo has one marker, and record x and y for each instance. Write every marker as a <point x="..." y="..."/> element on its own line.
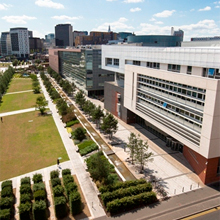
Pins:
<point x="17" y="112"/>
<point x="10" y="93"/>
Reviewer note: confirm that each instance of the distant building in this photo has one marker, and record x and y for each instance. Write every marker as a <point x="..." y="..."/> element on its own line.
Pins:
<point x="49" y="40"/>
<point x="95" y="38"/>
<point x="20" y="42"/>
<point x="81" y="66"/>
<point x="35" y="44"/>
<point x="5" y="44"/>
<point x="78" y="33"/>
<point x="205" y="38"/>
<point x="178" y="33"/>
<point x="124" y="35"/>
<point x="30" y="33"/>
<point x="63" y="35"/>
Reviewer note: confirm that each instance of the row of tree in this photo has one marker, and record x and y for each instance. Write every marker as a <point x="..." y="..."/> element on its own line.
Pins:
<point x="138" y="151"/>
<point x="106" y="122"/>
<point x="5" y="79"/>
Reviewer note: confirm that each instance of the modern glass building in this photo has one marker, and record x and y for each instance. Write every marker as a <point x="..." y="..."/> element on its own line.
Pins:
<point x="63" y="35"/>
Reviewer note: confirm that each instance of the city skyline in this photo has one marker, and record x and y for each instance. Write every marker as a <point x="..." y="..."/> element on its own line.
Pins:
<point x="143" y="17"/>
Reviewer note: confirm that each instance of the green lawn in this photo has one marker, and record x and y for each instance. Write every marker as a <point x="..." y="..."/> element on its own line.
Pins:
<point x="20" y="84"/>
<point x="18" y="101"/>
<point x="28" y="146"/>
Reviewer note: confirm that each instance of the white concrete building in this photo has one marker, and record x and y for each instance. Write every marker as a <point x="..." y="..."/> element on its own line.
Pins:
<point x="173" y="92"/>
<point x="20" y="42"/>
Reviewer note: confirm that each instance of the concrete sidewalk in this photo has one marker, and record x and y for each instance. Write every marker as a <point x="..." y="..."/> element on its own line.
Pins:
<point x="17" y="112"/>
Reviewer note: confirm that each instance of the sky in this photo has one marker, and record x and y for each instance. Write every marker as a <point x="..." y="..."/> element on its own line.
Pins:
<point x="197" y="18"/>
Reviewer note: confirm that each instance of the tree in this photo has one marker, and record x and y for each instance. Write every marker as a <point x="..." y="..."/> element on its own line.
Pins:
<point x="79" y="134"/>
<point x="15" y="62"/>
<point x="41" y="104"/>
<point x="132" y="145"/>
<point x="142" y="156"/>
<point x="80" y="98"/>
<point x="97" y="115"/>
<point x="109" y="125"/>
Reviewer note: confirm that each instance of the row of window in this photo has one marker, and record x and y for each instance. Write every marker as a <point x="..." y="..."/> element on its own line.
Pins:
<point x="153" y="65"/>
<point x="110" y="61"/>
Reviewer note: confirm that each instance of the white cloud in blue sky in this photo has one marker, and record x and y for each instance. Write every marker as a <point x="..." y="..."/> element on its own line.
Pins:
<point x="138" y="16"/>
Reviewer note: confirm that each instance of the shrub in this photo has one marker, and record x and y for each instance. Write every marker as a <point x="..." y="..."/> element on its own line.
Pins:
<point x="6" y="183"/>
<point x="70" y="187"/>
<point x="67" y="179"/>
<point x="24" y="211"/>
<point x="55" y="182"/>
<point x="39" y="210"/>
<point x="85" y="144"/>
<point x="6" y="203"/>
<point x="60" y="206"/>
<point x="66" y="172"/>
<point x="54" y="174"/>
<point x="25" y="180"/>
<point x="71" y="123"/>
<point x="76" y="142"/>
<point x="5" y="214"/>
<point x="7" y="192"/>
<point x="40" y="195"/>
<point x="75" y="203"/>
<point x="37" y="178"/>
<point x="119" y="185"/>
<point x="25" y="189"/>
<point x="79" y="134"/>
<point x="88" y="149"/>
<point x="25" y="198"/>
<point x="38" y="186"/>
<point x="58" y="191"/>
<point x="120" y="193"/>
<point x="129" y="202"/>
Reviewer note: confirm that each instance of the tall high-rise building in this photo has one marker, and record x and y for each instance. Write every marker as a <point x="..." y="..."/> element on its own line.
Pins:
<point x="63" y="35"/>
<point x="20" y="42"/>
<point x="5" y="44"/>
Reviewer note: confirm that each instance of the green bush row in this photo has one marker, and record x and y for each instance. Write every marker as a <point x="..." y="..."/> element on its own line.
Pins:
<point x="85" y="144"/>
<point x="88" y="149"/>
<point x="26" y="180"/>
<point x="75" y="203"/>
<point x="118" y="185"/>
<point x="55" y="182"/>
<point x="67" y="179"/>
<point x="25" y="211"/>
<point x="120" y="193"/>
<point x="66" y="172"/>
<point x="6" y="203"/>
<point x="60" y="206"/>
<point x="5" y="214"/>
<point x="131" y="202"/>
<point x="25" y="189"/>
<point x="40" y="195"/>
<point x="58" y="191"/>
<point x="7" y="191"/>
<point x="71" y="123"/>
<point x="7" y="183"/>
<point x="38" y="186"/>
<point x="39" y="210"/>
<point x="54" y="174"/>
<point x="37" y="178"/>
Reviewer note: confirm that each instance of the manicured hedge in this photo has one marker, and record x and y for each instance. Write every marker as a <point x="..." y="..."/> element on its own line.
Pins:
<point x="118" y="185"/>
<point x="85" y="144"/>
<point x="71" y="123"/>
<point x="24" y="211"/>
<point x="25" y="198"/>
<point x="37" y="178"/>
<point x="67" y="179"/>
<point x="39" y="210"/>
<point x="25" y="189"/>
<point x="6" y="183"/>
<point x="38" y="186"/>
<point x="6" y="203"/>
<point x="7" y="192"/>
<point x="26" y="180"/>
<point x="120" y="193"/>
<point x="131" y="202"/>
<point x="75" y="203"/>
<point x="40" y="195"/>
<point x="58" y="191"/>
<point x="55" y="182"/>
<point x="66" y="172"/>
<point x="88" y="149"/>
<point x="5" y="214"/>
<point x="70" y="187"/>
<point x="60" y="206"/>
<point x="54" y="174"/>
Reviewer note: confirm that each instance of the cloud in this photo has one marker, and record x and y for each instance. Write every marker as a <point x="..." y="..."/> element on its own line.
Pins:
<point x="158" y="22"/>
<point x="152" y="19"/>
<point x="4" y="6"/>
<point x="65" y="17"/>
<point x="135" y="9"/>
<point x="192" y="9"/>
<point x="202" y="28"/>
<point x="111" y="0"/>
<point x="217" y="6"/>
<point x="49" y="4"/>
<point x="118" y="25"/>
<point x="164" y="14"/>
<point x="207" y="8"/>
<point x="18" y="19"/>
<point x="133" y="1"/>
<point x="217" y="2"/>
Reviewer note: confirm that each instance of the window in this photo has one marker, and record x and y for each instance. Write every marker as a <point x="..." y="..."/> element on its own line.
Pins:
<point x="189" y="70"/>
<point x="153" y="65"/>
<point x="218" y="167"/>
<point x="136" y="62"/>
<point x="116" y="62"/>
<point x="174" y="68"/>
<point x="108" y="61"/>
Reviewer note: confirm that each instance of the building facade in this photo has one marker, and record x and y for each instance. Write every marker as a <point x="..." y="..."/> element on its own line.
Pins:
<point x="63" y="35"/>
<point x="81" y="66"/>
<point x="5" y="44"/>
<point x="175" y="94"/>
<point x="20" y="42"/>
<point x="35" y="44"/>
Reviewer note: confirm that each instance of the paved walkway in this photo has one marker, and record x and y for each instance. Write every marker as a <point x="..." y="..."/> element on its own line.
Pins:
<point x="17" y="112"/>
<point x="10" y="93"/>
